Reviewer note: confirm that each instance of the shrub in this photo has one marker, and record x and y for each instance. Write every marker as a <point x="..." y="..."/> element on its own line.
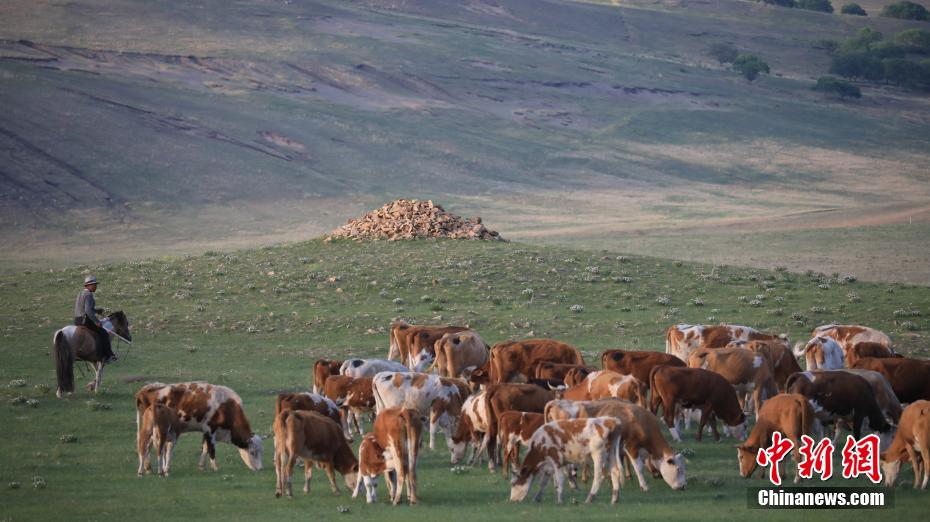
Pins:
<point x="835" y="86"/>
<point x="854" y="9"/>
<point x="723" y="52"/>
<point x="906" y="11"/>
<point x="823" y="6"/>
<point x="914" y="41"/>
<point x="750" y="66"/>
<point x="858" y="64"/>
<point x="780" y="3"/>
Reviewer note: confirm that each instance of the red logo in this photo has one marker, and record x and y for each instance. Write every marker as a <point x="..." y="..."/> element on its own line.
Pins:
<point x="774" y="454"/>
<point x="819" y="459"/>
<point x="861" y="458"/>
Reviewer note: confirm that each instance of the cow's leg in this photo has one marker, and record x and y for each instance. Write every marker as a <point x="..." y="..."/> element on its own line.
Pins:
<point x="279" y="471"/>
<point x="712" y="419"/>
<point x="308" y="475"/>
<point x="399" y="470"/>
<point x="158" y="445"/>
<point x="558" y="477"/>
<point x="616" y="477"/>
<point x="371" y="489"/>
<point x="390" y="480"/>
<point x="142" y="447"/>
<point x="411" y="480"/>
<point x="668" y="411"/>
<point x="357" y="418"/>
<point x="543" y="481"/>
<point x="637" y="465"/>
<point x="169" y="455"/>
<point x="433" y="421"/>
<point x="331" y="475"/>
<point x="598" y="462"/>
<point x="705" y="413"/>
<point x="289" y="474"/>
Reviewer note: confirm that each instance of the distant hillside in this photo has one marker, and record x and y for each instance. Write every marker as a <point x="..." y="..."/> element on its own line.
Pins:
<point x="138" y="128"/>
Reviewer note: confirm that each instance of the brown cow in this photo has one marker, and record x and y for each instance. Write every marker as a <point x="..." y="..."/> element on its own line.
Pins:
<point x="407" y="341"/>
<point x="780" y="358"/>
<point x="637" y="363"/>
<point x="789" y="414"/>
<point x="681" y="339"/>
<point x="850" y="335"/>
<point x="354" y="396"/>
<point x="884" y="394"/>
<point x="511" y="396"/>
<point x="512" y="358"/>
<point x="747" y="371"/>
<point x="605" y="383"/>
<point x="911" y="442"/>
<point x="515" y="428"/>
<point x="643" y="442"/>
<point x="160" y="429"/>
<point x="216" y="411"/>
<point x="909" y="378"/>
<point x="456" y="352"/>
<point x="312" y="402"/>
<point x="866" y="349"/>
<point x="837" y="394"/>
<point x="559" y="443"/>
<point x="314" y="438"/>
<point x="695" y="388"/>
<point x="322" y="369"/>
<point x="550" y="371"/>
<point x="391" y="449"/>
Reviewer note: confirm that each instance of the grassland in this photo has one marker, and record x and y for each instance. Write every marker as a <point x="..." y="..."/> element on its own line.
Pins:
<point x="256" y="319"/>
<point x="140" y="128"/>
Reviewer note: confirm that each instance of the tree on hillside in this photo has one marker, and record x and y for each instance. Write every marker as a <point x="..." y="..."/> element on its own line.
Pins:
<point x="906" y="11"/>
<point x="857" y="64"/>
<point x="724" y="52"/>
<point x="824" y="6"/>
<point x="863" y="39"/>
<point x="831" y="85"/>
<point x="854" y="9"/>
<point x="914" y="41"/>
<point x="907" y="73"/>
<point x="781" y="3"/>
<point x="750" y="66"/>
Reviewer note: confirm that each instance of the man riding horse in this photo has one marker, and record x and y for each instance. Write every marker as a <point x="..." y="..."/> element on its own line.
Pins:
<point x="85" y="314"/>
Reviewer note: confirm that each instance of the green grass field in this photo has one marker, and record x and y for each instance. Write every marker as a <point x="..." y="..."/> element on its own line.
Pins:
<point x="256" y="320"/>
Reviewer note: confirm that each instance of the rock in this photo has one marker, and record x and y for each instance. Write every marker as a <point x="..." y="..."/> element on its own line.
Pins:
<point x="413" y="219"/>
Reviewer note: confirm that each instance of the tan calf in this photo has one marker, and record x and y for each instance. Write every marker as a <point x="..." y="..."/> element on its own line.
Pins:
<point x="747" y="371"/>
<point x="314" y="438"/>
<point x="159" y="430"/>
<point x="789" y="414"/>
<point x="911" y="442"/>
<point x="391" y="449"/>
<point x="322" y="369"/>
<point x="354" y="396"/>
<point x="312" y="402"/>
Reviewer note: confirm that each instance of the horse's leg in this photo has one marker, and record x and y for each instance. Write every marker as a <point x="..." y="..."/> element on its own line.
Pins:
<point x="212" y="448"/>
<point x="98" y="379"/>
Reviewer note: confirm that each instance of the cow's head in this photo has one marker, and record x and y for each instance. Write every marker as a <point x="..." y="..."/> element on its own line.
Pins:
<point x="890" y="468"/>
<point x="520" y="483"/>
<point x="351" y="477"/>
<point x="422" y="361"/>
<point x="673" y="471"/>
<point x="746" y="455"/>
<point x="252" y="454"/>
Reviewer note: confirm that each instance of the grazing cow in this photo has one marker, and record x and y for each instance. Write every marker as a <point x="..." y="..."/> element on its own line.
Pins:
<point x="636" y="363"/>
<point x="605" y="383"/>
<point x="391" y="449"/>
<point x="681" y="339"/>
<point x="911" y="442"/>
<point x="322" y="369"/>
<point x="850" y="335"/>
<point x="909" y="378"/>
<point x="506" y="397"/>
<point x="747" y="371"/>
<point x="456" y="352"/>
<point x="643" y="442"/>
<point x="821" y="353"/>
<point x="695" y="388"/>
<point x="370" y="367"/>
<point x="439" y="398"/>
<point x="789" y="414"/>
<point x="423" y="344"/>
<point x="215" y="411"/>
<point x="780" y="358"/>
<point x="518" y="358"/>
<point x="866" y="349"/>
<point x="159" y="429"/>
<point x="550" y="371"/>
<point x="884" y="394"/>
<point x="312" y="402"/>
<point x="837" y="394"/>
<point x="354" y="396"/>
<point x="314" y="438"/>
<point x="472" y="428"/>
<point x="559" y="443"/>
<point x="515" y="428"/>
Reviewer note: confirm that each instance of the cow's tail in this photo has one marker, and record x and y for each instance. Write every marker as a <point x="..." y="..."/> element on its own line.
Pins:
<point x="800" y="349"/>
<point x="64" y="362"/>
<point x="413" y="427"/>
<point x="379" y="402"/>
<point x="793" y="378"/>
<point x="616" y="447"/>
<point x="669" y="340"/>
<point x="393" y="346"/>
<point x="654" y="403"/>
<point x="547" y="410"/>
<point x="579" y="359"/>
<point x="807" y="414"/>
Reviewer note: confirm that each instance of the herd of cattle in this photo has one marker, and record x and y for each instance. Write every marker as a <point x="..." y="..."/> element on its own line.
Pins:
<point x="540" y="394"/>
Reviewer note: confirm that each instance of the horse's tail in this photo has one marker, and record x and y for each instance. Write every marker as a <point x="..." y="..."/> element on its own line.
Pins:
<point x="64" y="363"/>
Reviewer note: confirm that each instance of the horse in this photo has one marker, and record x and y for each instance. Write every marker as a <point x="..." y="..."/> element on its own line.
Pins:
<point x="77" y="343"/>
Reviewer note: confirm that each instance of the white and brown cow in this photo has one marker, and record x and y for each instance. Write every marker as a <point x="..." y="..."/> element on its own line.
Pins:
<point x="682" y="339"/>
<point x="747" y="371"/>
<point x="322" y="369"/>
<point x="358" y="368"/>
<point x="821" y="353"/>
<point x="354" y="397"/>
<point x="788" y="413"/>
<point x="216" y="411"/>
<point x="605" y="383"/>
<point x="439" y="398"/>
<point x="516" y="428"/>
<point x="472" y="429"/>
<point x="313" y="438"/>
<point x="391" y="449"/>
<point x="848" y="335"/>
<point x="306" y="401"/>
<point x="643" y="442"/>
<point x="159" y="430"/>
<point x="455" y="353"/>
<point x="911" y="443"/>
<point x="500" y="398"/>
<point x="558" y="444"/>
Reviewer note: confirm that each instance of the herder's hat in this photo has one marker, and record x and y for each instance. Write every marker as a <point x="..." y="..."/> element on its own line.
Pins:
<point x="90" y="280"/>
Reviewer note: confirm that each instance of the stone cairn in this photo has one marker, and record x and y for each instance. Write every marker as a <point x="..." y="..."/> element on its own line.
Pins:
<point x="413" y="219"/>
